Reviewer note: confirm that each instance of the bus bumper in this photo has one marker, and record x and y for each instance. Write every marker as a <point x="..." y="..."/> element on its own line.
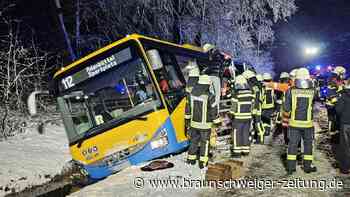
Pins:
<point x="148" y="152"/>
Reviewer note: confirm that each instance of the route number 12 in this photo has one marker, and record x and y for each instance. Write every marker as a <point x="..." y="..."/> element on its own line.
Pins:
<point x="68" y="82"/>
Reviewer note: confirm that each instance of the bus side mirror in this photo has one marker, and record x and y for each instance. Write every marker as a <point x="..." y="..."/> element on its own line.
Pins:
<point x="32" y="102"/>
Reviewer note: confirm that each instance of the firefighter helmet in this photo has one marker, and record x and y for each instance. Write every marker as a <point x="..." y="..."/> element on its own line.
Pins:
<point x="267" y="76"/>
<point x="204" y="79"/>
<point x="302" y="73"/>
<point x="194" y="72"/>
<point x="248" y="74"/>
<point x="293" y="73"/>
<point x="284" y="75"/>
<point x="259" y="77"/>
<point x="241" y="83"/>
<point x="340" y="70"/>
<point x="207" y="47"/>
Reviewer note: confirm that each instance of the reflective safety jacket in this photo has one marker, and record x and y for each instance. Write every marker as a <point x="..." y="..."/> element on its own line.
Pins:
<point x="200" y="110"/>
<point x="257" y="101"/>
<point x="299" y="104"/>
<point x="268" y="98"/>
<point x="331" y="98"/>
<point x="242" y="105"/>
<point x="190" y="83"/>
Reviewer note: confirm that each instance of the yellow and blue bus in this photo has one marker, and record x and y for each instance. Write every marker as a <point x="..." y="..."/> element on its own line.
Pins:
<point x="124" y="103"/>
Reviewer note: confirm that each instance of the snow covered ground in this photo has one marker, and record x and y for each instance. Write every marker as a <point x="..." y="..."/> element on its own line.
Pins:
<point x="30" y="158"/>
<point x="133" y="182"/>
<point x="264" y="163"/>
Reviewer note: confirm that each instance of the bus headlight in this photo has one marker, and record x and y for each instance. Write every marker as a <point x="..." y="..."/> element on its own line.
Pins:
<point x="160" y="140"/>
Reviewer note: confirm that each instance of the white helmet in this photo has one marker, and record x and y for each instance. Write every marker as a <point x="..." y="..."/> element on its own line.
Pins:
<point x="267" y="76"/>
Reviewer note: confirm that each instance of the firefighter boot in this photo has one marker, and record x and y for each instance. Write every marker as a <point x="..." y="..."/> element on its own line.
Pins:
<point x="291" y="167"/>
<point x="308" y="167"/>
<point x="202" y="164"/>
<point x="191" y="161"/>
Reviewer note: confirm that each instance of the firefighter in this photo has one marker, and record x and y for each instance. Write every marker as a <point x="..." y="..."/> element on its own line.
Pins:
<point x="299" y="106"/>
<point x="268" y="104"/>
<point x="331" y="100"/>
<point x="258" y="132"/>
<point x="285" y="119"/>
<point x="193" y="76"/>
<point x="284" y="79"/>
<point x="340" y="73"/>
<point x="241" y="110"/>
<point x="214" y="69"/>
<point x="202" y="117"/>
<point x="343" y="147"/>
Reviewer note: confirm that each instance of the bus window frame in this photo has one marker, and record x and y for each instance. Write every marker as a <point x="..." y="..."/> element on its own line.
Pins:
<point x="174" y="50"/>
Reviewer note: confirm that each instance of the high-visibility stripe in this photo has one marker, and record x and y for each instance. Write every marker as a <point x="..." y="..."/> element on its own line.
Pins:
<point x="204" y="159"/>
<point x="266" y="125"/>
<point x="291" y="157"/>
<point x="245" y="95"/>
<point x="187" y="116"/>
<point x="234" y="138"/>
<point x="192" y="157"/>
<point x="241" y="117"/>
<point x="301" y="123"/>
<point x="199" y="125"/>
<point x="308" y="157"/>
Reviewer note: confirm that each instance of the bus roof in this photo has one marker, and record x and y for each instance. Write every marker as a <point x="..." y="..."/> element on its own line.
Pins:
<point x="125" y="39"/>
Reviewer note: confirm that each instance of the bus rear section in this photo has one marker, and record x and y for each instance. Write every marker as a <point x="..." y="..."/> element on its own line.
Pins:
<point x="115" y="109"/>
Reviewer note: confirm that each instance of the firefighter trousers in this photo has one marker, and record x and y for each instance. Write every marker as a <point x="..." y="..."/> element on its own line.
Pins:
<point x="295" y="135"/>
<point x="266" y="119"/>
<point x="343" y="147"/>
<point x="259" y="134"/>
<point x="199" y="142"/>
<point x="241" y="136"/>
<point x="331" y="118"/>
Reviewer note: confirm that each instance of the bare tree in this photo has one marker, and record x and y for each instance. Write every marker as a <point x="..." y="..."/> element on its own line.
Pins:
<point x="23" y="68"/>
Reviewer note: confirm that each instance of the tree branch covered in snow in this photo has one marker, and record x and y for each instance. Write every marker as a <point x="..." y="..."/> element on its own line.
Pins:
<point x="241" y="27"/>
<point x="23" y="68"/>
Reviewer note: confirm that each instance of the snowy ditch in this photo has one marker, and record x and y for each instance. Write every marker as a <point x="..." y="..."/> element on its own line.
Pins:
<point x="29" y="161"/>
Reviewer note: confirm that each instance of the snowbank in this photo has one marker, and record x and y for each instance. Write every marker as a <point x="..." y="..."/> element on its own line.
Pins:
<point x="31" y="159"/>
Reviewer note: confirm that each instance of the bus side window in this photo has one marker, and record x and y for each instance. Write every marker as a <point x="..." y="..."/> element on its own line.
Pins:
<point x="169" y="76"/>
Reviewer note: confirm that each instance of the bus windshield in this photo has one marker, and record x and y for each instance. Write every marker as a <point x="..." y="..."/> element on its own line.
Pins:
<point x="120" y="92"/>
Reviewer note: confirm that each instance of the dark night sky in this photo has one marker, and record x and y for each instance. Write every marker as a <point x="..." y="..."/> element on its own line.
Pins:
<point x="324" y="23"/>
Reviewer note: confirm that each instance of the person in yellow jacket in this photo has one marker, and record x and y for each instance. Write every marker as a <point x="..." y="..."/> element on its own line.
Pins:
<point x="258" y="132"/>
<point x="202" y="117"/>
<point x="299" y="105"/>
<point x="268" y="104"/>
<point x="193" y="77"/>
<point x="242" y="107"/>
